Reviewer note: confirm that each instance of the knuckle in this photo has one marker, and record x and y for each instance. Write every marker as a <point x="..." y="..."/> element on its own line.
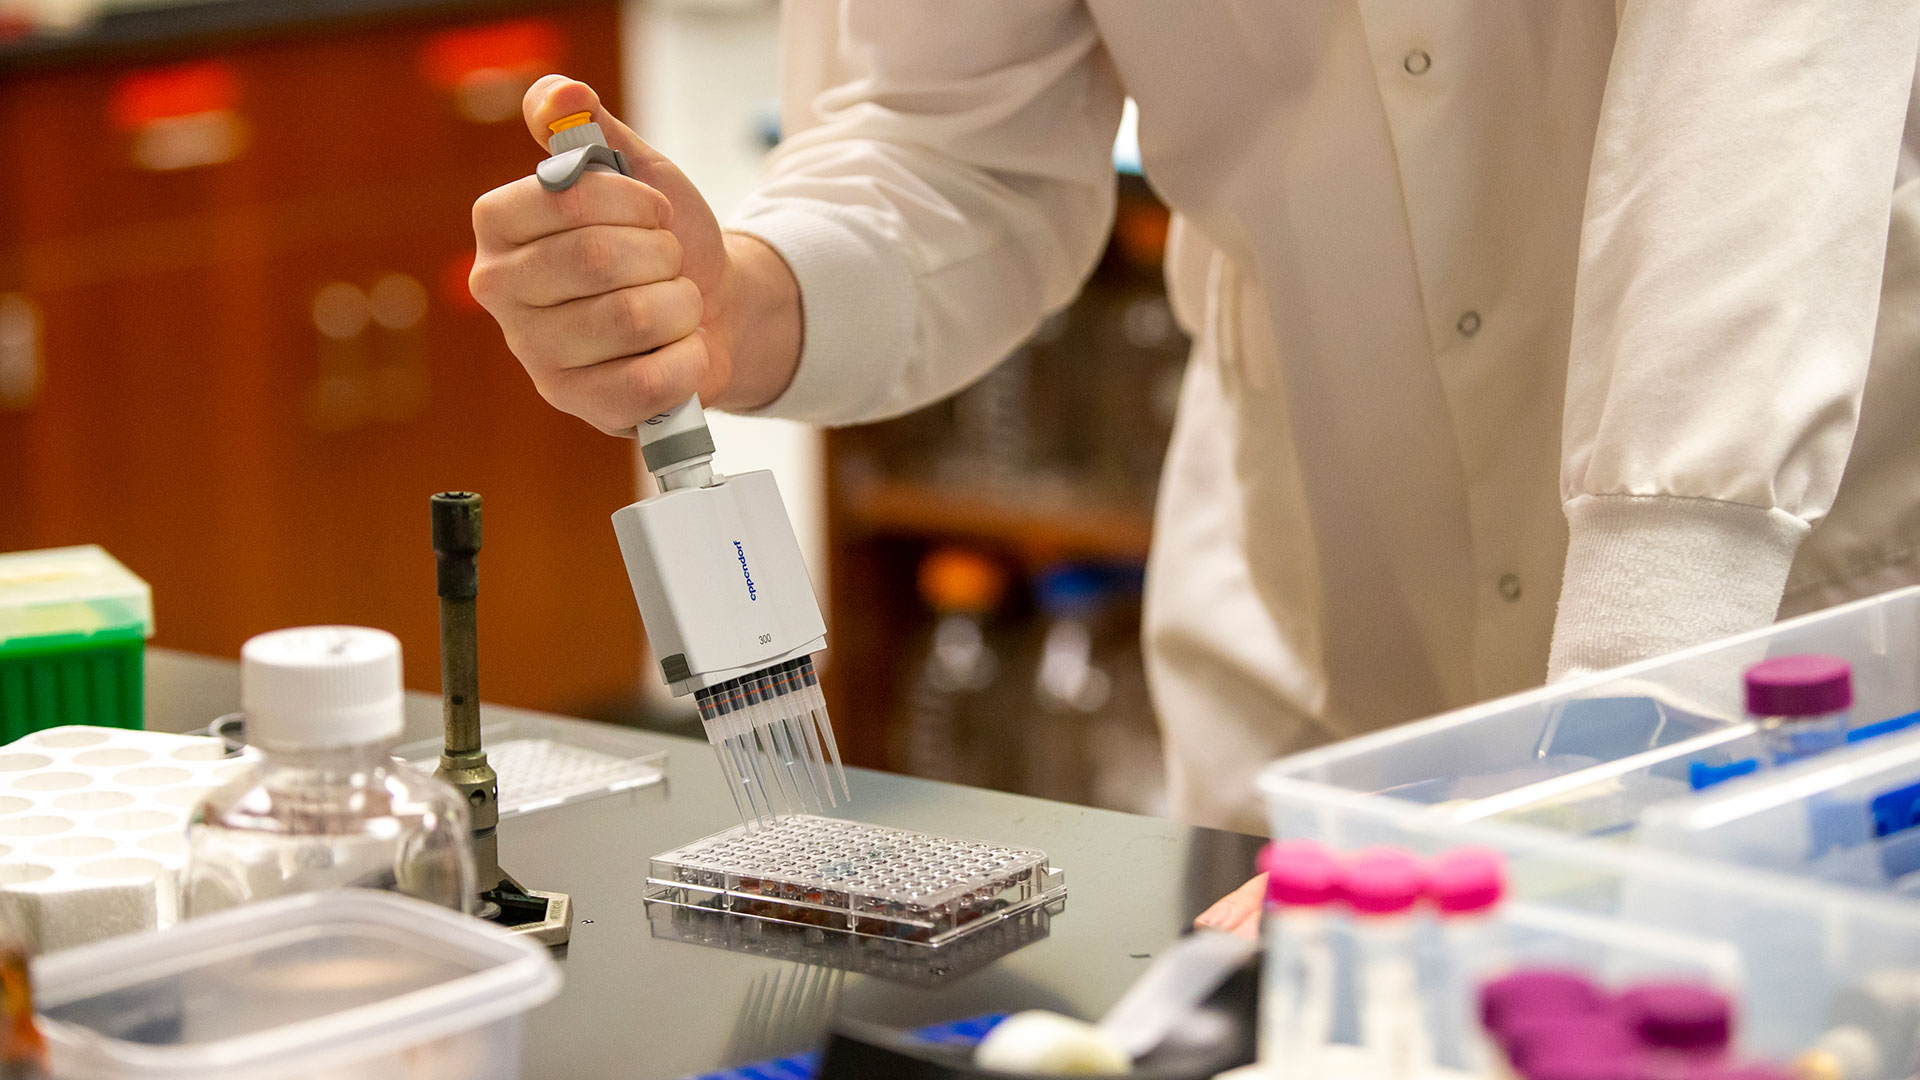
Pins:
<point x="488" y="281"/>
<point x="594" y="256"/>
<point x="650" y="382"/>
<point x="672" y="254"/>
<point x="633" y="314"/>
<point x="688" y="302"/>
<point x="573" y="208"/>
<point x="533" y="357"/>
<point x="486" y="211"/>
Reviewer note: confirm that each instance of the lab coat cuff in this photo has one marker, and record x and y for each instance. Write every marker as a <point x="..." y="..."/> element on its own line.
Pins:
<point x="1647" y="575"/>
<point x="856" y="303"/>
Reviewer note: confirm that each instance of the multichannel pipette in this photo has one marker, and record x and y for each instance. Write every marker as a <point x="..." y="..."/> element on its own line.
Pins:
<point x="722" y="586"/>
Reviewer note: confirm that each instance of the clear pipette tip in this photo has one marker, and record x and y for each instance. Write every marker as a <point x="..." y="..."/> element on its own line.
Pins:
<point x="774" y="742"/>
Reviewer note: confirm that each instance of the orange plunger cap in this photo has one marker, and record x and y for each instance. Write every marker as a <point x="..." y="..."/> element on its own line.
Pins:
<point x="955" y="579"/>
<point x="565" y="122"/>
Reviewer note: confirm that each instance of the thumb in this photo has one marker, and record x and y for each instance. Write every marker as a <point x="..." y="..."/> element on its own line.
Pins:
<point x="556" y="96"/>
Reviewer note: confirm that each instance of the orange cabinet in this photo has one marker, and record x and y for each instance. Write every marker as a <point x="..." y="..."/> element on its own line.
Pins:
<point x="252" y="358"/>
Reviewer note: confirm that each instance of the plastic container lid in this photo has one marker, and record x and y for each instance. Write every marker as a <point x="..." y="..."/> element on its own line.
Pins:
<point x="1467" y="881"/>
<point x="1679" y="1016"/>
<point x="1383" y="881"/>
<point x="70" y="591"/>
<point x="1300" y="873"/>
<point x="1810" y="684"/>
<point x="1543" y="1036"/>
<point x="297" y="985"/>
<point x="316" y="687"/>
<point x="1505" y="1000"/>
<point x="955" y="579"/>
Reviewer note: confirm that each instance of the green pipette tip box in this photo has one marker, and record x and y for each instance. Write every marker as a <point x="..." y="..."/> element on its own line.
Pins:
<point x="73" y="630"/>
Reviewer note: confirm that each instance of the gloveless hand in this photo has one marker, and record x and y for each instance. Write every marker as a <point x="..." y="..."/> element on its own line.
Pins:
<point x="615" y="294"/>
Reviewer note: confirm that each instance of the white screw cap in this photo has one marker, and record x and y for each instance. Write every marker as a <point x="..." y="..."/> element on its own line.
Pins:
<point x="319" y="687"/>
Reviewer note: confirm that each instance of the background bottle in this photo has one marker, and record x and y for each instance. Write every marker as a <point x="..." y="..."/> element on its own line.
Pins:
<point x="1070" y="685"/>
<point x="1296" y="1006"/>
<point x="1383" y="888"/>
<point x="1800" y="704"/>
<point x="1466" y="887"/>
<point x="326" y="805"/>
<point x="23" y="1048"/>
<point x="948" y="736"/>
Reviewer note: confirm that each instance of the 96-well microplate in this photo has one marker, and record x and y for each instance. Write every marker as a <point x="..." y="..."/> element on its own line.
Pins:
<point x="852" y="878"/>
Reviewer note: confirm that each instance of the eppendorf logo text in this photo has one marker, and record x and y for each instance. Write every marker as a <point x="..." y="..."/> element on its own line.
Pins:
<point x="739" y="552"/>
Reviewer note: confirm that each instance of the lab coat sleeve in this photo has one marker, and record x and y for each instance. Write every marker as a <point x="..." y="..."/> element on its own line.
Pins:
<point x="1734" y="236"/>
<point x="952" y="186"/>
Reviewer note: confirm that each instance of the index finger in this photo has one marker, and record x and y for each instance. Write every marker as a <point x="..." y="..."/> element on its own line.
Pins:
<point x="523" y="211"/>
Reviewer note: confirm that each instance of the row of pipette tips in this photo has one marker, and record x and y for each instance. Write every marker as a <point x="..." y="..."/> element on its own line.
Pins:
<point x="774" y="741"/>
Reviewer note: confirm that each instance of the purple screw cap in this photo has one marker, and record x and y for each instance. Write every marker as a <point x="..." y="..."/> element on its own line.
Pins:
<point x="1467" y="881"/>
<point x="1740" y="1071"/>
<point x="1300" y="873"/>
<point x="1383" y="881"/>
<point x="1582" y="1065"/>
<point x="1805" y="685"/>
<point x="1537" y="990"/>
<point x="1543" y="1035"/>
<point x="1679" y="1016"/>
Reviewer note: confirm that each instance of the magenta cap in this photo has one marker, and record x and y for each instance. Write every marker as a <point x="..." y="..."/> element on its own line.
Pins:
<point x="1383" y="881"/>
<point x="1300" y="873"/>
<point x="1467" y="881"/>
<point x="1583" y="1065"/>
<point x="1505" y="1000"/>
<point x="1541" y="1036"/>
<point x="1749" y="1070"/>
<point x="1805" y="685"/>
<point x="1679" y="1016"/>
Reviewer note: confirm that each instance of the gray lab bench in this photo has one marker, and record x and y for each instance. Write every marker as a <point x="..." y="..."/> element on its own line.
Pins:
<point x="640" y="1005"/>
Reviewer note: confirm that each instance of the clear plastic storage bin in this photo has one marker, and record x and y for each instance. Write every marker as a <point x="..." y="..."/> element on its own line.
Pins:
<point x="348" y="984"/>
<point x="1850" y="816"/>
<point x="1590" y="755"/>
<point x="1585" y="787"/>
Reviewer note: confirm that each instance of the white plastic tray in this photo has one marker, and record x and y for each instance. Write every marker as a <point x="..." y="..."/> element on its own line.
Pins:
<point x="546" y="761"/>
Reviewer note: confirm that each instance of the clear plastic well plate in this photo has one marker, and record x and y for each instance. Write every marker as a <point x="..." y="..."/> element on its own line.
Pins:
<point x="853" y="878"/>
<point x="881" y="958"/>
<point x="545" y="762"/>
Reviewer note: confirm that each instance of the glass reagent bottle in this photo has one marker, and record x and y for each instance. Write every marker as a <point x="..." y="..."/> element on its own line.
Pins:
<point x="1800" y="704"/>
<point x="326" y="805"/>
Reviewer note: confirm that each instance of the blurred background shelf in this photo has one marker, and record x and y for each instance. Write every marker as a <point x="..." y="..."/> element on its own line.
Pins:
<point x="236" y="344"/>
<point x="985" y="553"/>
<point x="1038" y="525"/>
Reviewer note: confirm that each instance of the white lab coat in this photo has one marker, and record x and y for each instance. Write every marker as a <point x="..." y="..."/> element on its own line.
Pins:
<point x="1497" y="303"/>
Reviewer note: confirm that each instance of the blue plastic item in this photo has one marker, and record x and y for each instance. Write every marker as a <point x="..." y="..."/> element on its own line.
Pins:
<point x="1884" y="727"/>
<point x="803" y="1066"/>
<point x="1703" y="775"/>
<point x="1070" y="590"/>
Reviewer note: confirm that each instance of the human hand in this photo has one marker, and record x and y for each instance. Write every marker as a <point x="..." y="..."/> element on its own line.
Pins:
<point x="1238" y="912"/>
<point x="613" y="293"/>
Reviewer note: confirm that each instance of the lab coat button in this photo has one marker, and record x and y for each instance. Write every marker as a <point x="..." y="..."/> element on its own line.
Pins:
<point x="1417" y="62"/>
<point x="1509" y="587"/>
<point x="1469" y="324"/>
